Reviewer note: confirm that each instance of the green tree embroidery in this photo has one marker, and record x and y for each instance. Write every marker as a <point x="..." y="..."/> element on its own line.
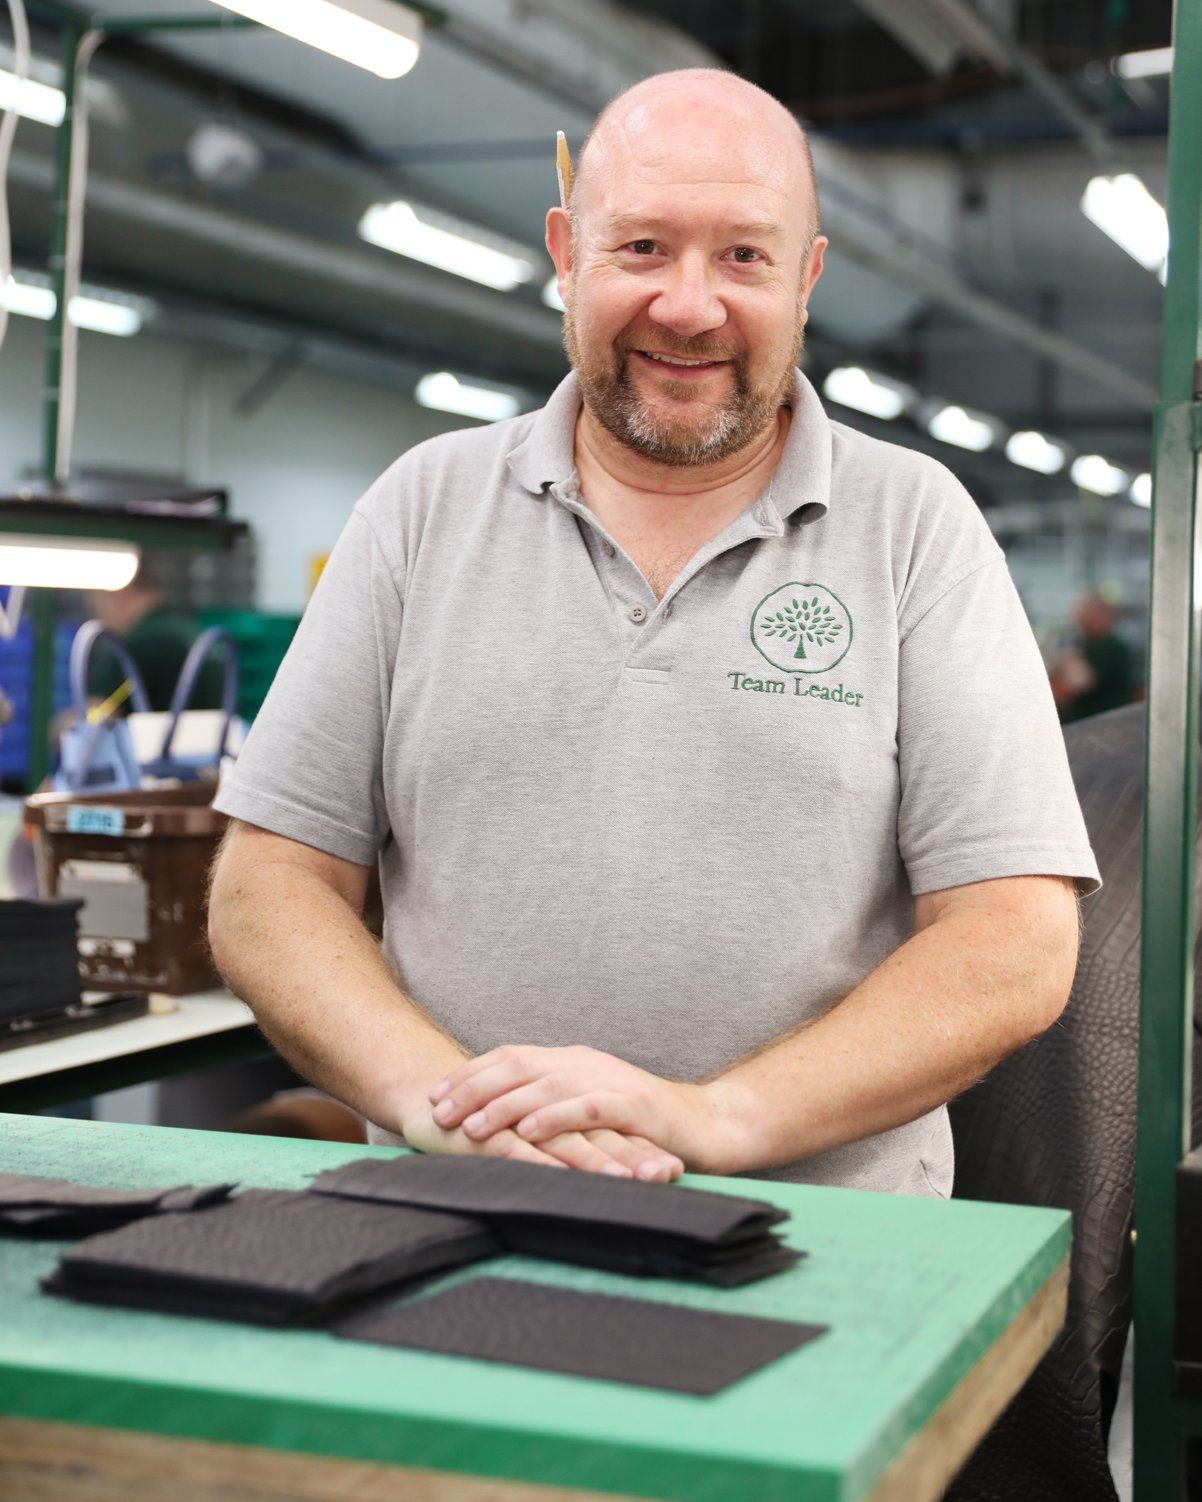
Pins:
<point x="803" y="621"/>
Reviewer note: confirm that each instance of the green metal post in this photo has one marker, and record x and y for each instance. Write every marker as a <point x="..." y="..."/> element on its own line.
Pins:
<point x="1170" y="793"/>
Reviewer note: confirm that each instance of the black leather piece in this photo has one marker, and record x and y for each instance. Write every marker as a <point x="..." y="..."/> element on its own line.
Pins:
<point x="270" y="1256"/>
<point x="1055" y="1124"/>
<point x="34" y="1206"/>
<point x="645" y="1257"/>
<point x="491" y="1186"/>
<point x="582" y="1334"/>
<point x="630" y="1226"/>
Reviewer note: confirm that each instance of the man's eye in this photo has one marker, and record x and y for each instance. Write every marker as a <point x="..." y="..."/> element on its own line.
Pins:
<point x="643" y="247"/>
<point x="745" y="254"/>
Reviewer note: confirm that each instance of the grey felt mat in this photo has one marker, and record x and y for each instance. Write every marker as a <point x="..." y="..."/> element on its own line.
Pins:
<point x="582" y="1334"/>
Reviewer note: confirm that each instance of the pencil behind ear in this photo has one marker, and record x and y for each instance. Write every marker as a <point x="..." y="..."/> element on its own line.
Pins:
<point x="563" y="168"/>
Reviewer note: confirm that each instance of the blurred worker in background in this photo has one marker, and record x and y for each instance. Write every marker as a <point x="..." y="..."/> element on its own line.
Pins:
<point x="1098" y="672"/>
<point x="157" y="637"/>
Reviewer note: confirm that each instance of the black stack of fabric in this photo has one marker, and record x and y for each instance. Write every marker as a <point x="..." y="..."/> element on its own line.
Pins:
<point x="39" y="962"/>
<point x="621" y="1225"/>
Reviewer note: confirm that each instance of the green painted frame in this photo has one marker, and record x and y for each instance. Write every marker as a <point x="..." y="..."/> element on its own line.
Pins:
<point x="1163" y="1421"/>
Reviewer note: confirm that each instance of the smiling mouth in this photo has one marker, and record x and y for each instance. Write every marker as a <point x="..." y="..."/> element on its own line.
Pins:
<point x="677" y="362"/>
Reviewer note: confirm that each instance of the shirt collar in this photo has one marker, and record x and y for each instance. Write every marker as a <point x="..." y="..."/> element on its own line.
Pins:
<point x="802" y="478"/>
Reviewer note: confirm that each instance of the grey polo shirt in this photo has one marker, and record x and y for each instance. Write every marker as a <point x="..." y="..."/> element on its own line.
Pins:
<point x="671" y="829"/>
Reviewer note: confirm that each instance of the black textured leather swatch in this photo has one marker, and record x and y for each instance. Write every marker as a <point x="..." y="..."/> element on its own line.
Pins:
<point x="268" y="1256"/>
<point x="34" y="1206"/>
<point x="619" y="1224"/>
<point x="582" y="1334"/>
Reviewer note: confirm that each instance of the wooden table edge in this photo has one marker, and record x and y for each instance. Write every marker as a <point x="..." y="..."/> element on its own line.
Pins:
<point x="42" y="1461"/>
<point x="926" y="1465"/>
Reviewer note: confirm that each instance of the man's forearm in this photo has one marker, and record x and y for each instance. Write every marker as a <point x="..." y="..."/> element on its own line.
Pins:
<point x="926" y="1024"/>
<point x="299" y="955"/>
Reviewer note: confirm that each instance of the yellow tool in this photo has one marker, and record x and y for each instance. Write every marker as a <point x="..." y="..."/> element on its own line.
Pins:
<point x="563" y="168"/>
<point x="114" y="701"/>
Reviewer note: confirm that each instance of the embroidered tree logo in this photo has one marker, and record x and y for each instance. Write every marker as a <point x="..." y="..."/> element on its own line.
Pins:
<point x="802" y="628"/>
<point x="803" y="621"/>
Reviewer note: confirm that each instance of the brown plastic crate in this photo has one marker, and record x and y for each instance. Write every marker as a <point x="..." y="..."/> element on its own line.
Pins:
<point x="141" y="862"/>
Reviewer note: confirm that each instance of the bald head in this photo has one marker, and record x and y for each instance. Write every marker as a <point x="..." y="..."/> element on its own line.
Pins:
<point x="697" y="122"/>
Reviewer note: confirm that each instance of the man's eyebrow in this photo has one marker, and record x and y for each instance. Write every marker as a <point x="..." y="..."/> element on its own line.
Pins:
<point x="762" y="229"/>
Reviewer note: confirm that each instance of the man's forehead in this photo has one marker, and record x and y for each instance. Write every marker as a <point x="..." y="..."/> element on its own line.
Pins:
<point x="654" y="220"/>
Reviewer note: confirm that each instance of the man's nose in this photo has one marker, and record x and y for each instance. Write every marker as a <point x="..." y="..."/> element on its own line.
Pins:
<point x="688" y="302"/>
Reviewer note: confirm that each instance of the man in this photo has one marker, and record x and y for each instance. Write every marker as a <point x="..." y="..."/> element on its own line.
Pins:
<point x="158" y="639"/>
<point x="723" y="816"/>
<point x="1099" y="672"/>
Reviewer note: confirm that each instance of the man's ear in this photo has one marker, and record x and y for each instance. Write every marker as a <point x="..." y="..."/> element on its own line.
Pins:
<point x="813" y="267"/>
<point x="559" y="243"/>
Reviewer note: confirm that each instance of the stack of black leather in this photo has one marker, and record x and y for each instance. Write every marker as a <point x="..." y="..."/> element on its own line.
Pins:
<point x="33" y="1206"/>
<point x="621" y="1225"/>
<point x="268" y="1256"/>
<point x="39" y="963"/>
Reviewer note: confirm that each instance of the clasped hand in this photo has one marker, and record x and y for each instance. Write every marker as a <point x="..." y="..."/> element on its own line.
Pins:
<point x="651" y="1127"/>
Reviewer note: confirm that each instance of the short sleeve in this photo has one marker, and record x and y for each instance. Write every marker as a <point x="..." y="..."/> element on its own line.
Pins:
<point x="311" y="768"/>
<point x="986" y="790"/>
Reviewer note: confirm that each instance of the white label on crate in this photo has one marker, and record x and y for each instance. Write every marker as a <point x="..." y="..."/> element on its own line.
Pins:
<point x="92" y="819"/>
<point x="116" y="899"/>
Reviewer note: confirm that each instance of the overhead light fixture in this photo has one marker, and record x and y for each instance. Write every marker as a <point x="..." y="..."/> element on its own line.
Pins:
<point x="1092" y="472"/>
<point x="379" y="35"/>
<point x="1033" y="451"/>
<point x="32" y="100"/>
<point x="1147" y="64"/>
<point x="31" y="296"/>
<point x="967" y="430"/>
<point x="1141" y="490"/>
<point x="396" y="226"/>
<point x="38" y="563"/>
<point x="445" y="392"/>
<point x="550" y="293"/>
<point x="851" y="386"/>
<point x="1122" y="208"/>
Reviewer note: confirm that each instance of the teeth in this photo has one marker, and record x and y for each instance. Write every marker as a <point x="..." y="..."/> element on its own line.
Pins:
<point x="671" y="360"/>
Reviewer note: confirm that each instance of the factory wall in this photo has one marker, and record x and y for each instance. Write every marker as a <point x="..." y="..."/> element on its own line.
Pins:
<point x="294" y="467"/>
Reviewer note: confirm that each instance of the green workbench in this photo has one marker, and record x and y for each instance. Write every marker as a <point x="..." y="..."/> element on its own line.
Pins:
<point x="938" y="1311"/>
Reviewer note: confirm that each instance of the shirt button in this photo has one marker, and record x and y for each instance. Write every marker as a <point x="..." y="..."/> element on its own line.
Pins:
<point x="638" y="614"/>
<point x="609" y="549"/>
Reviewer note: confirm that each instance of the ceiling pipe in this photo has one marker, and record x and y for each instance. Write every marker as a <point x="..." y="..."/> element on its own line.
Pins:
<point x="393" y="279"/>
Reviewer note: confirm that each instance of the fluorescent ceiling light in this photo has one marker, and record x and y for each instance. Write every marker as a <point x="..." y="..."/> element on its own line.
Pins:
<point x="851" y="386"/>
<point x="379" y="35"/>
<point x="1092" y="472"/>
<point x="104" y="312"/>
<point x="964" y="429"/>
<point x="396" y="226"/>
<point x="1141" y="489"/>
<point x="550" y="293"/>
<point x="1034" y="451"/>
<point x="39" y="564"/>
<point x="1122" y="208"/>
<point x="1145" y="64"/>
<point x="445" y="392"/>
<point x="33" y="100"/>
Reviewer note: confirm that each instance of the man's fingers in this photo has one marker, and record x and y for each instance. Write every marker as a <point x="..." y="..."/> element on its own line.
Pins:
<point x="508" y="1109"/>
<point x="477" y="1092"/>
<point x="583" y="1113"/>
<point x="465" y="1071"/>
<point x="578" y="1151"/>
<point x="509" y="1145"/>
<point x="635" y="1152"/>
